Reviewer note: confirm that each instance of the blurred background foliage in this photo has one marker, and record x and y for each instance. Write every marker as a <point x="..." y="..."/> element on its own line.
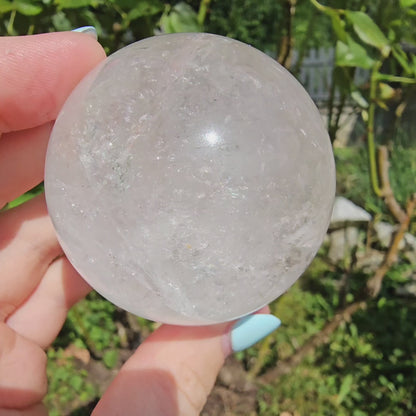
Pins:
<point x="120" y="22"/>
<point x="367" y="366"/>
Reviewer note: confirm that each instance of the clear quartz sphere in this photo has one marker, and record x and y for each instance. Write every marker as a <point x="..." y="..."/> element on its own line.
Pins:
<point x="190" y="179"/>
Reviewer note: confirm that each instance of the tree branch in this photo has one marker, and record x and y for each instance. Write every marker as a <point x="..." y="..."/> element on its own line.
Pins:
<point x="401" y="216"/>
<point x="321" y="338"/>
<point x="286" y="45"/>
<point x="386" y="191"/>
<point x="374" y="284"/>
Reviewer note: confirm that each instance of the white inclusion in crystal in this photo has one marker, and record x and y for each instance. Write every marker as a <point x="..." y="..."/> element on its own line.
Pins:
<point x="212" y="138"/>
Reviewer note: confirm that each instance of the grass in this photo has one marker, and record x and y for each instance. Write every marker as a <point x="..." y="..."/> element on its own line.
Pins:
<point x="368" y="366"/>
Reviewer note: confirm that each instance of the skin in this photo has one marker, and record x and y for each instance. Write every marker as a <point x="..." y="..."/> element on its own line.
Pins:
<point x="173" y="371"/>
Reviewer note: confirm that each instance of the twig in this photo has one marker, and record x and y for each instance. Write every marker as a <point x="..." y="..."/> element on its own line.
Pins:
<point x="374" y="284"/>
<point x="401" y="216"/>
<point x="330" y="125"/>
<point x="287" y="41"/>
<point x="287" y="365"/>
<point x="302" y="48"/>
<point x="386" y="191"/>
<point x="202" y="12"/>
<point x="370" y="130"/>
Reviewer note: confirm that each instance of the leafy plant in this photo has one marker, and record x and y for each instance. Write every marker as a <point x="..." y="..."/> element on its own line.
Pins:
<point x="367" y="367"/>
<point x="362" y="43"/>
<point x="68" y="385"/>
<point x="110" y="358"/>
<point x="180" y="18"/>
<point x="353" y="178"/>
<point x="94" y="320"/>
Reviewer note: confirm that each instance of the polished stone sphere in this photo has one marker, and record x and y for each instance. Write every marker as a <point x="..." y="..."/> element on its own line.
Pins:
<point x="190" y="179"/>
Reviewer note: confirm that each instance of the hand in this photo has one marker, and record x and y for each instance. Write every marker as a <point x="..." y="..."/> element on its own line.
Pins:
<point x="173" y="371"/>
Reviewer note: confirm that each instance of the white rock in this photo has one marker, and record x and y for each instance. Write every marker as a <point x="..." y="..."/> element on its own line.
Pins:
<point x="408" y="289"/>
<point x="384" y="234"/>
<point x="346" y="212"/>
<point x="410" y="241"/>
<point x="342" y="241"/>
<point x="190" y="179"/>
<point x="369" y="260"/>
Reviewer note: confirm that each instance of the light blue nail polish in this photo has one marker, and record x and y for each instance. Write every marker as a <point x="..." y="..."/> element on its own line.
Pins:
<point x="88" y="30"/>
<point x="251" y="329"/>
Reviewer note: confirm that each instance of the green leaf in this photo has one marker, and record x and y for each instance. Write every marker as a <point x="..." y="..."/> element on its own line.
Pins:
<point x="92" y="19"/>
<point x="28" y="9"/>
<point x="165" y="23"/>
<point x="181" y="18"/>
<point x="345" y="388"/>
<point x="413" y="66"/>
<point x="349" y="298"/>
<point x="76" y="382"/>
<point x="325" y="9"/>
<point x="411" y="12"/>
<point x="145" y="8"/>
<point x="359" y="99"/>
<point x="75" y="4"/>
<point x="23" y="7"/>
<point x="353" y="330"/>
<point x="24" y="198"/>
<point x="338" y="26"/>
<point x="401" y="58"/>
<point x="368" y="31"/>
<point x="125" y="4"/>
<point x="61" y="22"/>
<point x="110" y="358"/>
<point x="407" y="3"/>
<point x="337" y="23"/>
<point x="6" y="6"/>
<point x="385" y="92"/>
<point x="352" y="54"/>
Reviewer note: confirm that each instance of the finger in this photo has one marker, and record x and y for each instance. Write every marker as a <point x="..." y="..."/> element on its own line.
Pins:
<point x="38" y="73"/>
<point x="42" y="315"/>
<point x="22" y="160"/>
<point x="174" y="370"/>
<point x="170" y="374"/>
<point x="28" y="245"/>
<point x="22" y="370"/>
<point x="36" y="410"/>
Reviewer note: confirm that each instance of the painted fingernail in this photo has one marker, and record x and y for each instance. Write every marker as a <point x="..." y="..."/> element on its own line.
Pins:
<point x="88" y="30"/>
<point x="251" y="329"/>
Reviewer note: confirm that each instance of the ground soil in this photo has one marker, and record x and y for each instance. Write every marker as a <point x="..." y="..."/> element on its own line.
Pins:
<point x="233" y="395"/>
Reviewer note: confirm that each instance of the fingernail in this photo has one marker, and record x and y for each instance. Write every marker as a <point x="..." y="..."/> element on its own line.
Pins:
<point x="88" y="30"/>
<point x="251" y="329"/>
